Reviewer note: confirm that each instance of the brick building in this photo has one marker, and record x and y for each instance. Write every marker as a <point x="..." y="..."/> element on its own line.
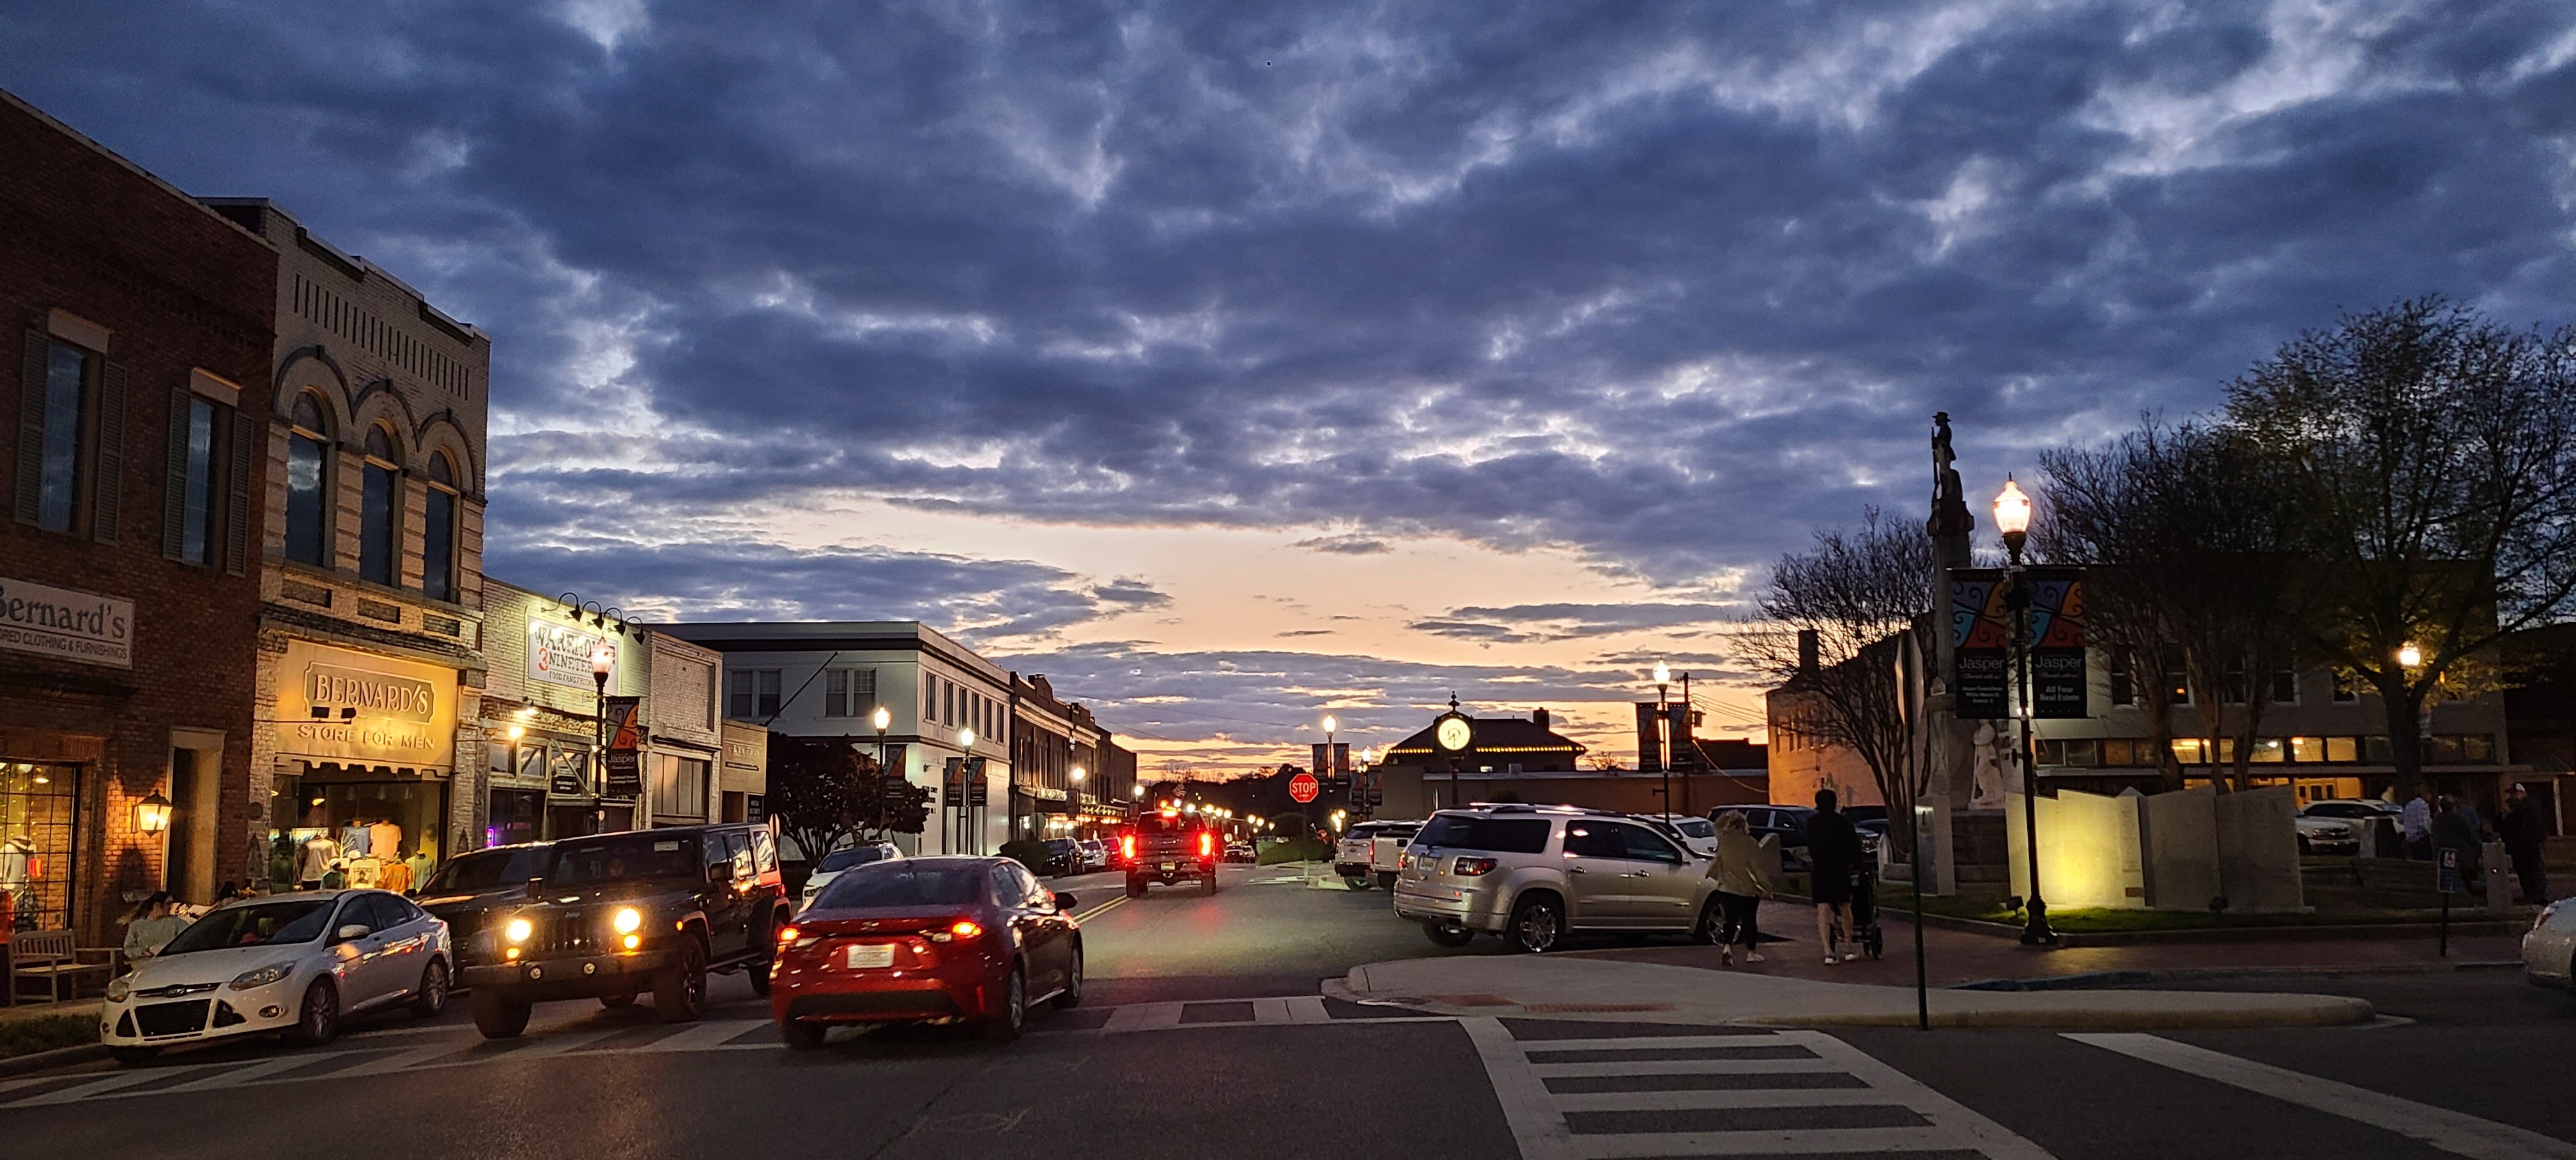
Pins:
<point x="129" y="584"/>
<point x="370" y="663"/>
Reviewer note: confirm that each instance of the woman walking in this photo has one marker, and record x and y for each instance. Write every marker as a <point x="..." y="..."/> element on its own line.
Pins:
<point x="1741" y="887"/>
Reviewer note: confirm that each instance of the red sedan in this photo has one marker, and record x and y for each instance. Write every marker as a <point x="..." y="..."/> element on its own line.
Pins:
<point x="926" y="940"/>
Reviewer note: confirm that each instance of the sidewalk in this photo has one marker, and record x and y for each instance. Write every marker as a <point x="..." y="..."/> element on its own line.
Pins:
<point x="1601" y="989"/>
<point x="1954" y="957"/>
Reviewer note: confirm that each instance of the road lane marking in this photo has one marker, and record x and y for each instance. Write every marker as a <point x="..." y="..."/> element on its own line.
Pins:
<point x="400" y="1060"/>
<point x="1683" y="1067"/>
<point x="100" y="1087"/>
<point x="2455" y="1132"/>
<point x="246" y="1074"/>
<point x="703" y="1037"/>
<point x="1536" y="1120"/>
<point x="1099" y="910"/>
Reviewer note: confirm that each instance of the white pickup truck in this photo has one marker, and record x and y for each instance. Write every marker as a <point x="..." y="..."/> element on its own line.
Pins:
<point x="1369" y="853"/>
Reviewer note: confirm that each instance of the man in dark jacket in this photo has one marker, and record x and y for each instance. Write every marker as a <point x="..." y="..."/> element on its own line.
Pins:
<point x="1833" y="853"/>
<point x="2523" y="832"/>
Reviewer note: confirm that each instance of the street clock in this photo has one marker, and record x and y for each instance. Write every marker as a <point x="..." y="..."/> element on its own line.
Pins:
<point x="1454" y="733"/>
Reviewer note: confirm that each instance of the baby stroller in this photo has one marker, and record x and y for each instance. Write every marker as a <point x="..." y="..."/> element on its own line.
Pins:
<point x="1864" y="912"/>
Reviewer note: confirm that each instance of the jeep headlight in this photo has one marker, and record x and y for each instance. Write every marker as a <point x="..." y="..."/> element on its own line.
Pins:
<point x="518" y="930"/>
<point x="261" y="976"/>
<point x="118" y="989"/>
<point x="628" y="920"/>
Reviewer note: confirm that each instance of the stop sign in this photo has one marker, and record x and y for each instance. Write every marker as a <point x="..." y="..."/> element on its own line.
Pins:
<point x="1304" y="787"/>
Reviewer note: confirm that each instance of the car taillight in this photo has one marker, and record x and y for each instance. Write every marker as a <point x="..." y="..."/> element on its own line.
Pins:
<point x="1207" y="844"/>
<point x="787" y="934"/>
<point x="1472" y="867"/>
<point x="962" y="928"/>
<point x="1127" y="847"/>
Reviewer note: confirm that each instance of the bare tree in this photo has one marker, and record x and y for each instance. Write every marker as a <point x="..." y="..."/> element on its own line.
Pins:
<point x="1860" y="591"/>
<point x="2435" y="456"/>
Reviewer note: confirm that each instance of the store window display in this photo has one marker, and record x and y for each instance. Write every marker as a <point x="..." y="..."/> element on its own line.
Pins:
<point x="39" y="822"/>
<point x="355" y="834"/>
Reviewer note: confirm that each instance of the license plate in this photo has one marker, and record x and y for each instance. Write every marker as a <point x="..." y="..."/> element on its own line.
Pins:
<point x="1167" y="865"/>
<point x="867" y="955"/>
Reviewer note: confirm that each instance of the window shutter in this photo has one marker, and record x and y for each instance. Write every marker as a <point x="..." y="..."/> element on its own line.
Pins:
<point x="174" y="494"/>
<point x="247" y="447"/>
<point x="107" y="489"/>
<point x="31" y="425"/>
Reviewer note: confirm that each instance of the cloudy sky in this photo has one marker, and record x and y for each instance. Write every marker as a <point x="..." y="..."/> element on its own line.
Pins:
<point x="1230" y="362"/>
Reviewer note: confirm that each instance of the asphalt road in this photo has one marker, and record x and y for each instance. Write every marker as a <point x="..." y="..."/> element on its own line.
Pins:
<point x="1205" y="1035"/>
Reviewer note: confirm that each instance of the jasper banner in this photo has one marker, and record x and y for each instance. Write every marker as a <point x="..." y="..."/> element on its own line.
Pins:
<point x="1980" y="645"/>
<point x="625" y="778"/>
<point x="2057" y="678"/>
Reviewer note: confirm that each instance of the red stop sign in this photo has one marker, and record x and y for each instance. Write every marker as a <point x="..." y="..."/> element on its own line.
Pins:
<point x="1304" y="787"/>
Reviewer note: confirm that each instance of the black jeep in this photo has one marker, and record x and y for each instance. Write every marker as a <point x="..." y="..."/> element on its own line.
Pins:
<point x="617" y="915"/>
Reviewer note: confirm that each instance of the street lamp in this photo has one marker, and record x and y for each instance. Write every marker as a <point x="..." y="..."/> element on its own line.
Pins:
<point x="2012" y="518"/>
<point x="152" y="814"/>
<point x="2410" y="656"/>
<point x="1663" y="732"/>
<point x="883" y="719"/>
<point x="602" y="659"/>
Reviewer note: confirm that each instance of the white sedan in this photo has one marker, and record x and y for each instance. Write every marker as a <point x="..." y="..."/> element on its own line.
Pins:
<point x="291" y="964"/>
<point x="2549" y="951"/>
<point x="839" y="860"/>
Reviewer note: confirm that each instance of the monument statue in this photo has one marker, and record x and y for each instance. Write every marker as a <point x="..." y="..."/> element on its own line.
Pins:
<point x="1949" y="500"/>
<point x="1986" y="787"/>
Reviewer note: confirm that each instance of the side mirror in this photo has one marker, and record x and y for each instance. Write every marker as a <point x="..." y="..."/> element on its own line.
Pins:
<point x="536" y="889"/>
<point x="1065" y="902"/>
<point x="353" y="932"/>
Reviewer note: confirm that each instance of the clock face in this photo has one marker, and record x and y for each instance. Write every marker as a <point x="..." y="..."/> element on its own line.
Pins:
<point x="1455" y="733"/>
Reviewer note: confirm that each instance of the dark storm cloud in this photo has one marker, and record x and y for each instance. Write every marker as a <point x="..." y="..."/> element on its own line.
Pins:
<point x="1665" y="284"/>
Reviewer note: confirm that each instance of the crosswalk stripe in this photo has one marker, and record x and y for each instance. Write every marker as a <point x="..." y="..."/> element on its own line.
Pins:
<point x="561" y="1044"/>
<point x="400" y="1060"/>
<point x="100" y="1087"/>
<point x="1144" y="1016"/>
<point x="2455" y="1132"/>
<point x="1696" y="1099"/>
<point x="1653" y="1042"/>
<point x="1787" y="1142"/>
<point x="238" y="1076"/>
<point x="1307" y="1009"/>
<point x="704" y="1036"/>
<point x="1682" y="1067"/>
<point x="1987" y="1136"/>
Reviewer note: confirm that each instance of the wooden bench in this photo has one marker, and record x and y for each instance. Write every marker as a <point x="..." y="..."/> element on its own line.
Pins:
<point x="53" y="958"/>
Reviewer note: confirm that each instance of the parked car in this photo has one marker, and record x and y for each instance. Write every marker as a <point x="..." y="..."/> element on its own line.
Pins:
<point x="1788" y="824"/>
<point x="848" y="857"/>
<point x="1239" y="851"/>
<point x="938" y="940"/>
<point x="1357" y="849"/>
<point x="1534" y="874"/>
<point x="2336" y="826"/>
<point x="468" y="889"/>
<point x="1386" y="851"/>
<point x="621" y="915"/>
<point x="2549" y="950"/>
<point x="1063" y="856"/>
<point x="290" y="964"/>
<point x="1697" y="833"/>
<point x="1095" y="854"/>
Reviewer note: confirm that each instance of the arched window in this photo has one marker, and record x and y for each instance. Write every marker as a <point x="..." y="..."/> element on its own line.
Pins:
<point x="377" y="552"/>
<point x="308" y="489"/>
<point x="438" y="531"/>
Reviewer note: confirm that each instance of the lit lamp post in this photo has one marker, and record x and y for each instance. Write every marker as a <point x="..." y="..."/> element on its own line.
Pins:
<point x="883" y="719"/>
<point x="152" y="818"/>
<point x="1076" y="817"/>
<point x="602" y="659"/>
<point x="2012" y="518"/>
<point x="965" y="794"/>
<point x="1663" y="732"/>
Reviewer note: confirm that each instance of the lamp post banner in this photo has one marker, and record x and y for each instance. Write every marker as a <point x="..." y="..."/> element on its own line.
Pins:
<point x="1981" y="643"/>
<point x="2058" y="685"/>
<point x="625" y="749"/>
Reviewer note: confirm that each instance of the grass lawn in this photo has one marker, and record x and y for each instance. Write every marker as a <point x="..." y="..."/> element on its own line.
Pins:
<point x="2083" y="921"/>
<point x="1294" y="850"/>
<point x="45" y="1033"/>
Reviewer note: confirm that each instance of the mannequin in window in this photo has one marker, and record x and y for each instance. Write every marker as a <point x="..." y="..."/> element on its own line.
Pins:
<point x="315" y="864"/>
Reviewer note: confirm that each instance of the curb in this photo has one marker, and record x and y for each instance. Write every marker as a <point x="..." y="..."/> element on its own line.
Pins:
<point x="2321" y="932"/>
<point x="48" y="1060"/>
<point x="2102" y="980"/>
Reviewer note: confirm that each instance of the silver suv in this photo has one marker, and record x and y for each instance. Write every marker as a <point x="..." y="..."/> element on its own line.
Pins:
<point x="1532" y="874"/>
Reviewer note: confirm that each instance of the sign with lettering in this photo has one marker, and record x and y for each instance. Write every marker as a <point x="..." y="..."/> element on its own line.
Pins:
<point x="68" y="624"/>
<point x="341" y="705"/>
<point x="625" y="777"/>
<point x="559" y="654"/>
<point x="2057" y="679"/>
<point x="1980" y="645"/>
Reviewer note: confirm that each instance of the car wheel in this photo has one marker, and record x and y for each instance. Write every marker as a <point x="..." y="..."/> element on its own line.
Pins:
<point x="2305" y="847"/>
<point x="133" y="1056"/>
<point x="758" y="971"/>
<point x="431" y="998"/>
<point x="1448" y="934"/>
<point x="680" y="991"/>
<point x="1710" y="925"/>
<point x="1135" y="888"/>
<point x="616" y="1002"/>
<point x="497" y="1015"/>
<point x="1071" y="996"/>
<point x="1003" y="1024"/>
<point x="1537" y="924"/>
<point x="1386" y="880"/>
<point x="800" y="1035"/>
<point x="1355" y="881"/>
<point x="1211" y="880"/>
<point x="317" y="1021"/>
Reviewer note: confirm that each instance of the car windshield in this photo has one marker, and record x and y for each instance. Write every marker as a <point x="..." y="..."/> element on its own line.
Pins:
<point x="623" y="858"/>
<point x="1695" y="827"/>
<point x="1479" y="832"/>
<point x="844" y="859"/>
<point x="299" y="920"/>
<point x="905" y="883"/>
<point x="488" y="870"/>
